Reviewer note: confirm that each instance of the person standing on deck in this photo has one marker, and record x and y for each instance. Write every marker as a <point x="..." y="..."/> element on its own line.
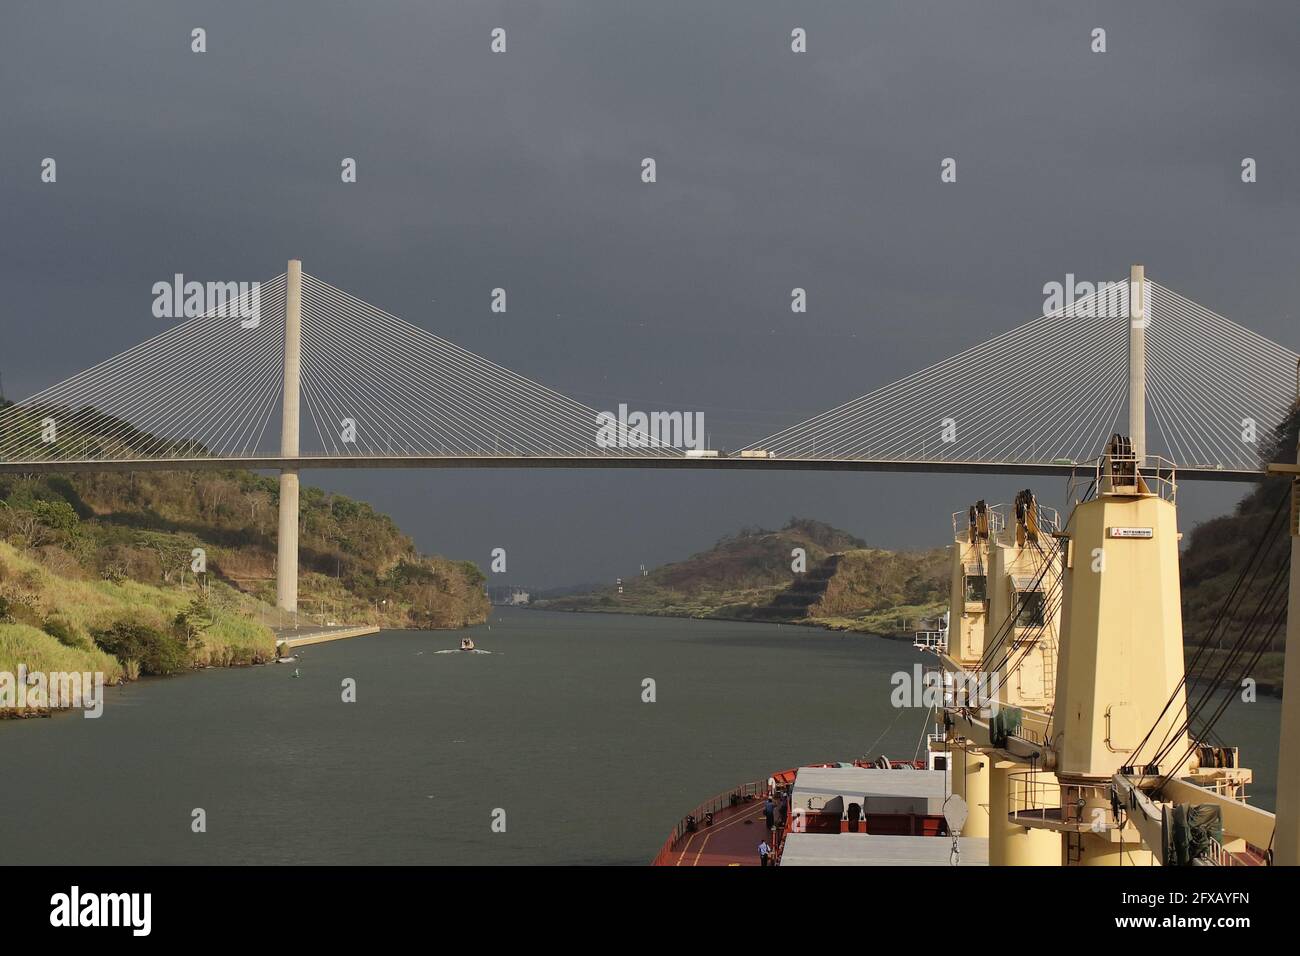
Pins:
<point x="769" y="813"/>
<point x="764" y="851"/>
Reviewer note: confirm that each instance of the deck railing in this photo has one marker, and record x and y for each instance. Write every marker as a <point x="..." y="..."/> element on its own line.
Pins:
<point x="745" y="791"/>
<point x="1159" y="474"/>
<point x="996" y="518"/>
<point x="936" y="641"/>
<point x="1032" y="791"/>
<point x="1038" y="795"/>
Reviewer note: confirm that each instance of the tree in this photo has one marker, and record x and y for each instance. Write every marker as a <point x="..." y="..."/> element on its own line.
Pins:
<point x="173" y="553"/>
<point x="56" y="515"/>
<point x="258" y="502"/>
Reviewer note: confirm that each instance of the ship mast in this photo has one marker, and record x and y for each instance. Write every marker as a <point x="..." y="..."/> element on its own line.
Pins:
<point x="1068" y="777"/>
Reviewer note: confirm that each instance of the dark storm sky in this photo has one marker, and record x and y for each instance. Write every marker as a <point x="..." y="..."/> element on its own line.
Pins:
<point x="775" y="170"/>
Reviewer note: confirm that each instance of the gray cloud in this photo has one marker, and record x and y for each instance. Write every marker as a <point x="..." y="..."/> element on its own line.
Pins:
<point x="775" y="170"/>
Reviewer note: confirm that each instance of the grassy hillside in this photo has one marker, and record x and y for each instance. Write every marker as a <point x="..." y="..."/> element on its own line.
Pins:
<point x="97" y="572"/>
<point x="53" y="621"/>
<point x="1217" y="550"/>
<point x="355" y="565"/>
<point x="749" y="576"/>
<point x="884" y="592"/>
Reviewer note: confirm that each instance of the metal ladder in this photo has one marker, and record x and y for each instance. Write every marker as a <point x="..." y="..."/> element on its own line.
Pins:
<point x="1049" y="670"/>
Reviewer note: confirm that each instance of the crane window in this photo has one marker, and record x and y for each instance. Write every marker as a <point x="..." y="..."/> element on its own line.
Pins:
<point x="1030" y="609"/>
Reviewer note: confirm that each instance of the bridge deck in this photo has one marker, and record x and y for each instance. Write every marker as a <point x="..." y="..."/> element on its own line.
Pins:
<point x="308" y="462"/>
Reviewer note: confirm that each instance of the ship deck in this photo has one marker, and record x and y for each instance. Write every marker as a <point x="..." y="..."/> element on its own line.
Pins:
<point x="869" y="849"/>
<point x="732" y="840"/>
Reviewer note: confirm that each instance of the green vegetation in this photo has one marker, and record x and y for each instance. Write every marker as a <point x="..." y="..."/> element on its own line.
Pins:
<point x="98" y="572"/>
<point x="37" y="651"/>
<point x="748" y="576"/>
<point x="123" y="628"/>
<point x="355" y="565"/>
<point x="1217" y="550"/>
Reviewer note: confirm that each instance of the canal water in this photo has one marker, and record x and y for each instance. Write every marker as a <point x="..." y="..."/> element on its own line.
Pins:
<point x="548" y="732"/>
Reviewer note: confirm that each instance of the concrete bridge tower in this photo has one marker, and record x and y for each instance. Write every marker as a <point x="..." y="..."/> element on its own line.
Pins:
<point x="1139" y="316"/>
<point x="286" y="577"/>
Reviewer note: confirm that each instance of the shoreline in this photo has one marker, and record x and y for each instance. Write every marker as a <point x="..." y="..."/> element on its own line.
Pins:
<point x="323" y="634"/>
<point x="819" y="625"/>
<point x="285" y="639"/>
<point x="306" y="637"/>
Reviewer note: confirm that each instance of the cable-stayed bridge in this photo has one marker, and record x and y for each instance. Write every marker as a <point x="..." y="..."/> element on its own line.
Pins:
<point x="1055" y="388"/>
<point x="317" y="378"/>
<point x="375" y="390"/>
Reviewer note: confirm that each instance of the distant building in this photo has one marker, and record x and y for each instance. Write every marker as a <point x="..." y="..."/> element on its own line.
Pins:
<point x="508" y="595"/>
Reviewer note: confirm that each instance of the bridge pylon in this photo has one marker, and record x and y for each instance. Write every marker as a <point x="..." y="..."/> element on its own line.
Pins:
<point x="1139" y="315"/>
<point x="286" y="572"/>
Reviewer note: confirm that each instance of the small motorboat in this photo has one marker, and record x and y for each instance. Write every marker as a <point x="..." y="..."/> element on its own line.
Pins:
<point x="466" y="647"/>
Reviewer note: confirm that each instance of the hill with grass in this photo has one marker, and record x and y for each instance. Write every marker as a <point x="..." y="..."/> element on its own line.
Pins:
<point x="53" y="621"/>
<point x="101" y="568"/>
<point x="1217" y="551"/>
<point x="751" y="576"/>
<point x="355" y="564"/>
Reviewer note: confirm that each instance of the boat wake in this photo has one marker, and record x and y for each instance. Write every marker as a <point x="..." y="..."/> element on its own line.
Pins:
<point x="458" y="650"/>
